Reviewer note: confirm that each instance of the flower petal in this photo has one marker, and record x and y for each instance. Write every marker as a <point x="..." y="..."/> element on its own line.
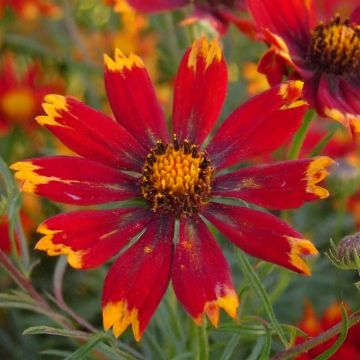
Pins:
<point x="339" y="100"/>
<point x="283" y="185"/>
<point x="262" y="235"/>
<point x="91" y="134"/>
<point x="200" y="91"/>
<point x="259" y="126"/>
<point x="156" y="5"/>
<point x="290" y="19"/>
<point x="89" y="238"/>
<point x="74" y="180"/>
<point x="138" y="279"/>
<point x="201" y="276"/>
<point x="132" y="99"/>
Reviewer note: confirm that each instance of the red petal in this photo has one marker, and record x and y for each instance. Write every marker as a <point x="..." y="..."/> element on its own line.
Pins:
<point x="132" y="99"/>
<point x="283" y="185"/>
<point x="201" y="276"/>
<point x="262" y="235"/>
<point x="290" y="19"/>
<point x="91" y="134"/>
<point x="89" y="238"/>
<point x="138" y="280"/>
<point x="74" y="180"/>
<point x="200" y="91"/>
<point x="339" y="100"/>
<point x="157" y="5"/>
<point x="259" y="126"/>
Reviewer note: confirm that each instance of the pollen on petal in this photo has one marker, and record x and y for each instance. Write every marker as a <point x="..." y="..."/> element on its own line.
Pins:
<point x="291" y="90"/>
<point x="315" y="173"/>
<point x="210" y="51"/>
<point x="52" y="105"/>
<point x="298" y="248"/>
<point x="46" y="244"/>
<point x="229" y="302"/>
<point x="118" y="316"/>
<point x="26" y="172"/>
<point x="121" y="61"/>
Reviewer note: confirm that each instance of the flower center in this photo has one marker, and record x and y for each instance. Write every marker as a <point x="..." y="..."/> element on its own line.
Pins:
<point x="335" y="48"/>
<point x="216" y="3"/>
<point x="176" y="178"/>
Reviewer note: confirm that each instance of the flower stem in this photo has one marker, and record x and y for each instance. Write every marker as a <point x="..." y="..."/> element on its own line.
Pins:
<point x="291" y="353"/>
<point x="300" y="136"/>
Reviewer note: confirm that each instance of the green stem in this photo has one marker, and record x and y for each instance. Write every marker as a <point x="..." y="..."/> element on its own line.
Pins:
<point x="300" y="136"/>
<point x="259" y="289"/>
<point x="202" y="343"/>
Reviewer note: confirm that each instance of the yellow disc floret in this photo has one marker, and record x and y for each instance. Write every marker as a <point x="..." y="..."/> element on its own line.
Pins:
<point x="335" y="48"/>
<point x="176" y="178"/>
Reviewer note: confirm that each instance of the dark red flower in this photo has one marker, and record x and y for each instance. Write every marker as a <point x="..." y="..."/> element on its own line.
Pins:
<point x="325" y="55"/>
<point x="220" y="13"/>
<point x="314" y="326"/>
<point x="176" y="177"/>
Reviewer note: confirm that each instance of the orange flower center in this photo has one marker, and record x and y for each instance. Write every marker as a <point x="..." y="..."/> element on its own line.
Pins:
<point x="335" y="48"/>
<point x="176" y="178"/>
<point x="18" y="105"/>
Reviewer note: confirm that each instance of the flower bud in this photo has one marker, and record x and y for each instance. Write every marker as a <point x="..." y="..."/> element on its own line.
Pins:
<point x="349" y="248"/>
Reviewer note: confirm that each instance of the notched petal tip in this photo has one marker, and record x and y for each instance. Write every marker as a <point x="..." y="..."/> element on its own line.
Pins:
<point x="118" y="316"/>
<point x="52" y="106"/>
<point x="349" y="120"/>
<point x="291" y="90"/>
<point x="229" y="302"/>
<point x="299" y="248"/>
<point x="209" y="50"/>
<point x="121" y="61"/>
<point x="27" y="175"/>
<point x="46" y="243"/>
<point x="315" y="173"/>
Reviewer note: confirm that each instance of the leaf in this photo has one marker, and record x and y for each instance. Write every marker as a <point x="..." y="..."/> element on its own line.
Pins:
<point x="230" y="347"/>
<point x="259" y="289"/>
<point x="55" y="352"/>
<point x="323" y="142"/>
<point x="80" y="353"/>
<point x="340" y="340"/>
<point x="265" y="353"/>
<point x="41" y="330"/>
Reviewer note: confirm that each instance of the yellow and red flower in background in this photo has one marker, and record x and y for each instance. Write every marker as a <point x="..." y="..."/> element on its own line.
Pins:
<point x="30" y="9"/>
<point x="21" y="95"/>
<point x="173" y="177"/>
<point x="313" y="325"/>
<point x="325" y="55"/>
<point x="219" y="13"/>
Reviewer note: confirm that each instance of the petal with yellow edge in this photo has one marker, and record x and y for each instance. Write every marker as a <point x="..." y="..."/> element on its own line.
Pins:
<point x="262" y="235"/>
<point x="200" y="91"/>
<point x="137" y="281"/>
<point x="283" y="185"/>
<point x="259" y="126"/>
<point x="90" y="238"/>
<point x="91" y="133"/>
<point x="200" y="275"/>
<point x="74" y="180"/>
<point x="132" y="99"/>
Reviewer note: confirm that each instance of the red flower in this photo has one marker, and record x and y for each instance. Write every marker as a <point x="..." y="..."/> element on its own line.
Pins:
<point x="313" y="326"/>
<point x="324" y="55"/>
<point x="176" y="178"/>
<point x="219" y="13"/>
<point x="24" y="90"/>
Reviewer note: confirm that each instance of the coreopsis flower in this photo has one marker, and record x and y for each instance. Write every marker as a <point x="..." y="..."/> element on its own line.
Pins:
<point x="313" y="325"/>
<point x="325" y="55"/>
<point x="175" y="178"/>
<point x="219" y="13"/>
<point x="30" y="9"/>
<point x="20" y="95"/>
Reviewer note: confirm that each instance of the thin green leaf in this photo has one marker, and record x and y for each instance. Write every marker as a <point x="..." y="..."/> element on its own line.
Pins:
<point x="323" y="142"/>
<point x="265" y="353"/>
<point x="41" y="330"/>
<point x="340" y="340"/>
<point x="259" y="289"/>
<point x="55" y="352"/>
<point x="230" y="347"/>
<point x="299" y="137"/>
<point x="80" y="353"/>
